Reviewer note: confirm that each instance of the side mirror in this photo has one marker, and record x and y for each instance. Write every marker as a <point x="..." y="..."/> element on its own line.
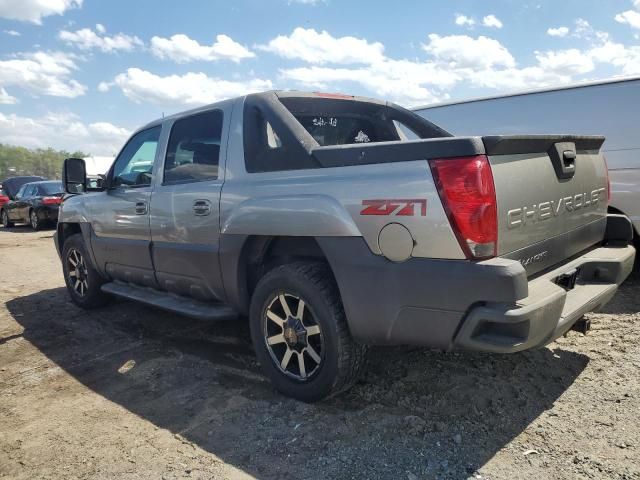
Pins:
<point x="74" y="175"/>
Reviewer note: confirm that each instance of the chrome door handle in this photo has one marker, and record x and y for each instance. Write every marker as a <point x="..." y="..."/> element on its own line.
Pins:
<point x="202" y="207"/>
<point x="141" y="208"/>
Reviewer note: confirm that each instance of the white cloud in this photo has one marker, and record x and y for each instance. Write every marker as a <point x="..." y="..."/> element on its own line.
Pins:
<point x="402" y="81"/>
<point x="462" y="51"/>
<point x="491" y="21"/>
<point x="34" y="10"/>
<point x="583" y="29"/>
<point x="42" y="73"/>
<point x="558" y="32"/>
<point x="321" y="48"/>
<point x="627" y="59"/>
<point x="515" y="78"/>
<point x="87" y="39"/>
<point x="454" y="60"/>
<point x="13" y="33"/>
<point x="464" y="21"/>
<point x="101" y="28"/>
<point x="182" y="49"/>
<point x="6" y="99"/>
<point x="630" y="17"/>
<point x="62" y="131"/>
<point x="190" y="89"/>
<point x="571" y="61"/>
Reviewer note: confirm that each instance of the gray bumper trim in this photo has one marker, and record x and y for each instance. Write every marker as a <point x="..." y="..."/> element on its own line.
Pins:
<point x="487" y="306"/>
<point x="549" y="310"/>
<point x="420" y="301"/>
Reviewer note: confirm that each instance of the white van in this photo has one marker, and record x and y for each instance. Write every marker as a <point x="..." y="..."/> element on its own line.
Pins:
<point x="610" y="108"/>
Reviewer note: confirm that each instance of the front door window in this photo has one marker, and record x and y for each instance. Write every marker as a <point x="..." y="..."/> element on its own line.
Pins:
<point x="134" y="165"/>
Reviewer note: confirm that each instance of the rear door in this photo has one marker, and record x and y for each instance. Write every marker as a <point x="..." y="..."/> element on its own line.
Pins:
<point x="185" y="208"/>
<point x="120" y="215"/>
<point x="16" y="208"/>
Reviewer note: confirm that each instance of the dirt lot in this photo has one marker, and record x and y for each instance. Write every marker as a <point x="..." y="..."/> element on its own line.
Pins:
<point x="130" y="392"/>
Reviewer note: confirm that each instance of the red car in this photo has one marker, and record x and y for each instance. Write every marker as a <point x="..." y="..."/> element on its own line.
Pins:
<point x="3" y="197"/>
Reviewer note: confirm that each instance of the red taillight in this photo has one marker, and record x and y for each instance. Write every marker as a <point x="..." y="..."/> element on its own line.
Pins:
<point x="3" y="199"/>
<point x="466" y="188"/>
<point x="51" y="200"/>
<point x="333" y="95"/>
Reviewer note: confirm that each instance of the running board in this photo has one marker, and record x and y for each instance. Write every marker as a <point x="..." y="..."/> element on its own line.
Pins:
<point x="168" y="301"/>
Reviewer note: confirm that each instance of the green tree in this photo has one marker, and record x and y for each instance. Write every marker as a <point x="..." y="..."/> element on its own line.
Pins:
<point x="45" y="163"/>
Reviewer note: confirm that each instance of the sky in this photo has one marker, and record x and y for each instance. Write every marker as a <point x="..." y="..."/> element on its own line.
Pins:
<point x="83" y="74"/>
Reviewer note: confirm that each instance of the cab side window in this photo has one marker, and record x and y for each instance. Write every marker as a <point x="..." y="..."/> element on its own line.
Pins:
<point x="193" y="153"/>
<point x="134" y="165"/>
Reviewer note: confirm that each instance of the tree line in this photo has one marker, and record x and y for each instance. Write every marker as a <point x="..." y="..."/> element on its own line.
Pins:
<point x="45" y="163"/>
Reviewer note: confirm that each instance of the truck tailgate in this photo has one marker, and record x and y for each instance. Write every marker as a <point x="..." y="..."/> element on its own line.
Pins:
<point x="551" y="193"/>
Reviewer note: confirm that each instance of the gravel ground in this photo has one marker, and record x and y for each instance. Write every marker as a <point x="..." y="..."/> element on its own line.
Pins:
<point x="131" y="392"/>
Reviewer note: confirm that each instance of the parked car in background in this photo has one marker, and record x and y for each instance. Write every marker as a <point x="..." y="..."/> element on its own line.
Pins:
<point x="312" y="215"/>
<point x="35" y="203"/>
<point x="608" y="108"/>
<point x="4" y="198"/>
<point x="11" y="186"/>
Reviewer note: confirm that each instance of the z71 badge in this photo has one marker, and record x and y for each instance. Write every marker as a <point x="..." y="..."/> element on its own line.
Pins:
<point x="402" y="208"/>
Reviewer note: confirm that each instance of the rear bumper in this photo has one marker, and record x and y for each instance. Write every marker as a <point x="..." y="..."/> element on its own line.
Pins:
<point x="548" y="311"/>
<point x="486" y="306"/>
<point x="48" y="213"/>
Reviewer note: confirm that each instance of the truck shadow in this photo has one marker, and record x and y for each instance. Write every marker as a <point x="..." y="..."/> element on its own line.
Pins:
<point x="451" y="411"/>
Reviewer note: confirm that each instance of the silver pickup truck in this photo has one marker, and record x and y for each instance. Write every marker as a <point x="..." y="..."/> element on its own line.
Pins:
<point x="336" y="222"/>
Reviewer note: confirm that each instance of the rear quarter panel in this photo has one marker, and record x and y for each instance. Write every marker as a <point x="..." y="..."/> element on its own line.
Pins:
<point x="329" y="202"/>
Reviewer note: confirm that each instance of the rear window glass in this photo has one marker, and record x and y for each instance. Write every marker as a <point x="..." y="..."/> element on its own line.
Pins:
<point x="347" y="129"/>
<point x="274" y="141"/>
<point x="346" y="122"/>
<point x="51" y="188"/>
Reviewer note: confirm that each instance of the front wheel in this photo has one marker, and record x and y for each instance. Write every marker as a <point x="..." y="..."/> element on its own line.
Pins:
<point x="4" y="219"/>
<point x="83" y="281"/>
<point x="300" y="334"/>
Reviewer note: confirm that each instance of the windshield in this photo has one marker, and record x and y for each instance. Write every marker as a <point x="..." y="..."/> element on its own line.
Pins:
<point x="51" y="188"/>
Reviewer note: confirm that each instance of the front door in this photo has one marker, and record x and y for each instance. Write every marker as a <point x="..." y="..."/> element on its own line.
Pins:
<point x="185" y="216"/>
<point x="120" y="215"/>
<point x="17" y="209"/>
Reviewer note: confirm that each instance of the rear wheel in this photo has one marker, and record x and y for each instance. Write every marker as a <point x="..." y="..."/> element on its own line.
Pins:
<point x="4" y="218"/>
<point x="34" y="220"/>
<point x="300" y="332"/>
<point x="82" y="279"/>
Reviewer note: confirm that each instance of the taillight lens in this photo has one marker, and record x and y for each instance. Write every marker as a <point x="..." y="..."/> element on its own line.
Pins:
<point x="51" y="200"/>
<point x="3" y="199"/>
<point x="467" y="191"/>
